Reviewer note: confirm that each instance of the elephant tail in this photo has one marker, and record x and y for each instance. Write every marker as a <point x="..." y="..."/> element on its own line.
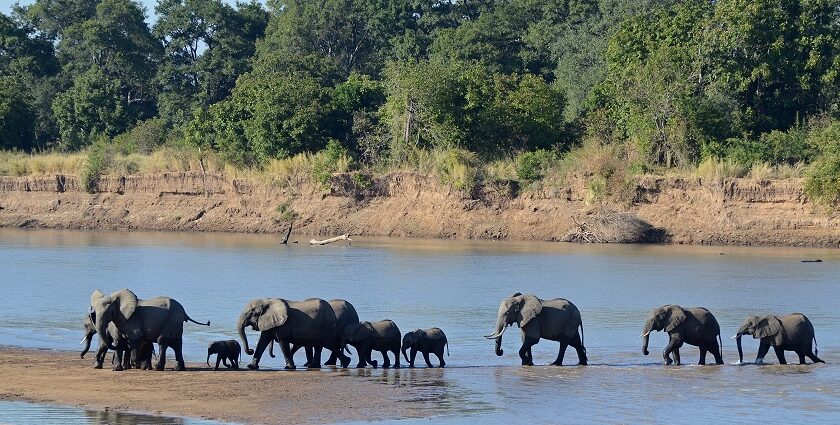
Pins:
<point x="447" y="348"/>
<point x="720" y="345"/>
<point x="816" y="349"/>
<point x="190" y="319"/>
<point x="581" y="335"/>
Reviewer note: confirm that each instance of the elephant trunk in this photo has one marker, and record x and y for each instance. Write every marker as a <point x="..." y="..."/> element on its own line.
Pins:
<point x="87" y="341"/>
<point x="646" y="336"/>
<point x="102" y="329"/>
<point x="501" y="326"/>
<point x="404" y="353"/>
<point x="740" y="351"/>
<point x="209" y="352"/>
<point x="243" y="321"/>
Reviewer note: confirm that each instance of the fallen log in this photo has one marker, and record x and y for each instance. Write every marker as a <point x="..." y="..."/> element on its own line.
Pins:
<point x="344" y="237"/>
<point x="288" y="233"/>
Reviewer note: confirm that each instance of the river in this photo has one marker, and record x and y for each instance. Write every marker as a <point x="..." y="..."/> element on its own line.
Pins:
<point x="47" y="278"/>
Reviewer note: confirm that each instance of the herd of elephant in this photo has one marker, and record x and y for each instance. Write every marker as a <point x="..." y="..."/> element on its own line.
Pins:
<point x="130" y="326"/>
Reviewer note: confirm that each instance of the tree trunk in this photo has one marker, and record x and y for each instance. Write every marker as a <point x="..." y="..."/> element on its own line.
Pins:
<point x="344" y="237"/>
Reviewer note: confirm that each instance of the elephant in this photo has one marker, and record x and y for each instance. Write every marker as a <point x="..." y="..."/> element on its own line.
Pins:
<point x="793" y="332"/>
<point x="140" y="322"/>
<point x="693" y="326"/>
<point x="382" y="336"/>
<point x="310" y="322"/>
<point x="111" y="338"/>
<point x="225" y="351"/>
<point x="425" y="341"/>
<point x="555" y="320"/>
<point x="345" y="315"/>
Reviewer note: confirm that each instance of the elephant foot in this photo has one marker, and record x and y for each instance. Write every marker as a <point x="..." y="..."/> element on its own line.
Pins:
<point x="97" y="366"/>
<point x="556" y="364"/>
<point x="396" y="366"/>
<point x="344" y="364"/>
<point x="117" y="368"/>
<point x="313" y="366"/>
<point x="330" y="363"/>
<point x="360" y="366"/>
<point x="410" y="366"/>
<point x="254" y="366"/>
<point x="289" y="367"/>
<point x="158" y="367"/>
<point x="582" y="363"/>
<point x="180" y="368"/>
<point x="374" y="363"/>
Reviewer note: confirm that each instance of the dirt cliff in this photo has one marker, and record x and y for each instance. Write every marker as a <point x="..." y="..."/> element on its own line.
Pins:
<point x="686" y="210"/>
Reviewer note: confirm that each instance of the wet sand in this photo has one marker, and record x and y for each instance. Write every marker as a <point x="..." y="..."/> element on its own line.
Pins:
<point x="263" y="397"/>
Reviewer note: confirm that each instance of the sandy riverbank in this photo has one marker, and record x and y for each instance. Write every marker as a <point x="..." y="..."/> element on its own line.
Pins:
<point x="264" y="397"/>
<point x="686" y="210"/>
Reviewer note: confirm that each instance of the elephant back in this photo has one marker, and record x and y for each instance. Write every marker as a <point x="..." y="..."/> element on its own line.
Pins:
<point x="387" y="329"/>
<point x="559" y="316"/>
<point x="345" y="313"/>
<point x="704" y="319"/>
<point x="435" y="334"/>
<point x="797" y="329"/>
<point x="314" y="316"/>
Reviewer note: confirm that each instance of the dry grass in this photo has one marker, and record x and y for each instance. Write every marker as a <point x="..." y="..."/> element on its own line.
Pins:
<point x="21" y="164"/>
<point x="764" y="171"/>
<point x="715" y="170"/>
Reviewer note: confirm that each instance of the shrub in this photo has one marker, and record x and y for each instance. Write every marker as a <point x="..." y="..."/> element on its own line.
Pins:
<point x="457" y="169"/>
<point x="333" y="159"/>
<point x="823" y="176"/>
<point x="713" y="169"/>
<point x="142" y="138"/>
<point x="98" y="160"/>
<point x="531" y="166"/>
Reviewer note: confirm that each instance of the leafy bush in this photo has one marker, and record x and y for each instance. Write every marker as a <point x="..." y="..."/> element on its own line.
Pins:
<point x="98" y="160"/>
<point x="531" y="166"/>
<point x="823" y="176"/>
<point x="457" y="168"/>
<point x="143" y="138"/>
<point x="333" y="159"/>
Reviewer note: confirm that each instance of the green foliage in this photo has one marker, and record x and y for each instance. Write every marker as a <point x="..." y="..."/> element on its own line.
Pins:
<point x="531" y="166"/>
<point x="287" y="214"/>
<point x="334" y="158"/>
<point x="363" y="181"/>
<point x="823" y="176"/>
<point x="98" y="160"/>
<point x="93" y="106"/>
<point x="17" y="124"/>
<point x="143" y="138"/>
<point x="457" y="168"/>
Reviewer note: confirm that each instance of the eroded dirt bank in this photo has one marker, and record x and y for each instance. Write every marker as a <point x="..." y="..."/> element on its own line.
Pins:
<point x="736" y="211"/>
<point x="264" y="397"/>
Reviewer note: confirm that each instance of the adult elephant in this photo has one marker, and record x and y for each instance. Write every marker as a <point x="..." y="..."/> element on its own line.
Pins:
<point x="793" y="332"/>
<point x="693" y="326"/>
<point x="158" y="320"/>
<point x="555" y="320"/>
<point x="309" y="322"/>
<point x="345" y="316"/>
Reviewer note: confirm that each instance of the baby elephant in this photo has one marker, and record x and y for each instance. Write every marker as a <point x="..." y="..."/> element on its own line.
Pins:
<point x="225" y="351"/>
<point x="425" y="341"/>
<point x="793" y="332"/>
<point x="382" y="336"/>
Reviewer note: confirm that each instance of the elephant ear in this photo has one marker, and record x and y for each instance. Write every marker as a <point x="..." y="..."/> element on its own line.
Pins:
<point x="531" y="307"/>
<point x="95" y="297"/>
<point x="767" y="326"/>
<point x="675" y="317"/>
<point x="127" y="302"/>
<point x="275" y="314"/>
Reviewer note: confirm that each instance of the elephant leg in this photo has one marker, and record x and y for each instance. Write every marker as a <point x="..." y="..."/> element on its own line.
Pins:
<point x="715" y="349"/>
<point x="287" y="354"/>
<point x="439" y="355"/>
<point x="801" y="355"/>
<point x="225" y="362"/>
<point x="333" y="358"/>
<point x="265" y="339"/>
<point x="218" y="359"/>
<point x="308" y="350"/>
<point x="763" y="348"/>
<point x="386" y="362"/>
<point x="702" y="360"/>
<point x="396" y="352"/>
<point x="525" y="351"/>
<point x="315" y="363"/>
<point x="561" y="353"/>
<point x="813" y="357"/>
<point x="101" y="353"/>
<point x="677" y="359"/>
<point x="780" y="354"/>
<point x="413" y="356"/>
<point x="177" y="347"/>
<point x="426" y="358"/>
<point x="671" y="347"/>
<point x="162" y="357"/>
<point x="577" y="344"/>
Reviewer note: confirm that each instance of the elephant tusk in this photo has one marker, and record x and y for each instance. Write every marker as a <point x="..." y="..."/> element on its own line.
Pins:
<point x="734" y="336"/>
<point x="645" y="334"/>
<point x="490" y="336"/>
<point x="83" y="340"/>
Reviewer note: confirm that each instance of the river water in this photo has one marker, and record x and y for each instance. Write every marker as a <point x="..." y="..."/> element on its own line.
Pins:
<point x="47" y="278"/>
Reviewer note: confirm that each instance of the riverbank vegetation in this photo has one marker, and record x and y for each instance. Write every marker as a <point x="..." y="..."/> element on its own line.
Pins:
<point x="474" y="92"/>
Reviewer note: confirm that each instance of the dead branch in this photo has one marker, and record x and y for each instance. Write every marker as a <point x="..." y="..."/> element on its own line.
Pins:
<point x="344" y="237"/>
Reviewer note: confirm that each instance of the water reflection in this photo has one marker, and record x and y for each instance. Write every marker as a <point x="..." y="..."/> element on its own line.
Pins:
<point x="22" y="413"/>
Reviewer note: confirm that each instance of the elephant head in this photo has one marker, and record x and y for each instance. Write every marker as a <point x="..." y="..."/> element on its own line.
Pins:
<point x="117" y="307"/>
<point x="519" y="309"/>
<point x="212" y="348"/>
<point x="666" y="318"/>
<point x="410" y="339"/>
<point x="262" y="315"/>
<point x="355" y="333"/>
<point x="758" y="327"/>
<point x="90" y="330"/>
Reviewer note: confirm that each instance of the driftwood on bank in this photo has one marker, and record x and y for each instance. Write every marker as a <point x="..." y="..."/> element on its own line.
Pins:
<point x="344" y="237"/>
<point x="612" y="227"/>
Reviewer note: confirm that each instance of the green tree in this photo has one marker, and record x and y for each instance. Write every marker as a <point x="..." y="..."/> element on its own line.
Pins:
<point x="93" y="106"/>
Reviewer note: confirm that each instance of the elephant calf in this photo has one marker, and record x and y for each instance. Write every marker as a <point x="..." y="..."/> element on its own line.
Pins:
<point x="382" y="336"/>
<point x="225" y="351"/>
<point x="793" y="332"/>
<point x="425" y="341"/>
<point x="693" y="326"/>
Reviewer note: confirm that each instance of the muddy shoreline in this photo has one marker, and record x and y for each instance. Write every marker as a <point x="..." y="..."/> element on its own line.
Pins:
<point x="264" y="397"/>
<point x="686" y="210"/>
